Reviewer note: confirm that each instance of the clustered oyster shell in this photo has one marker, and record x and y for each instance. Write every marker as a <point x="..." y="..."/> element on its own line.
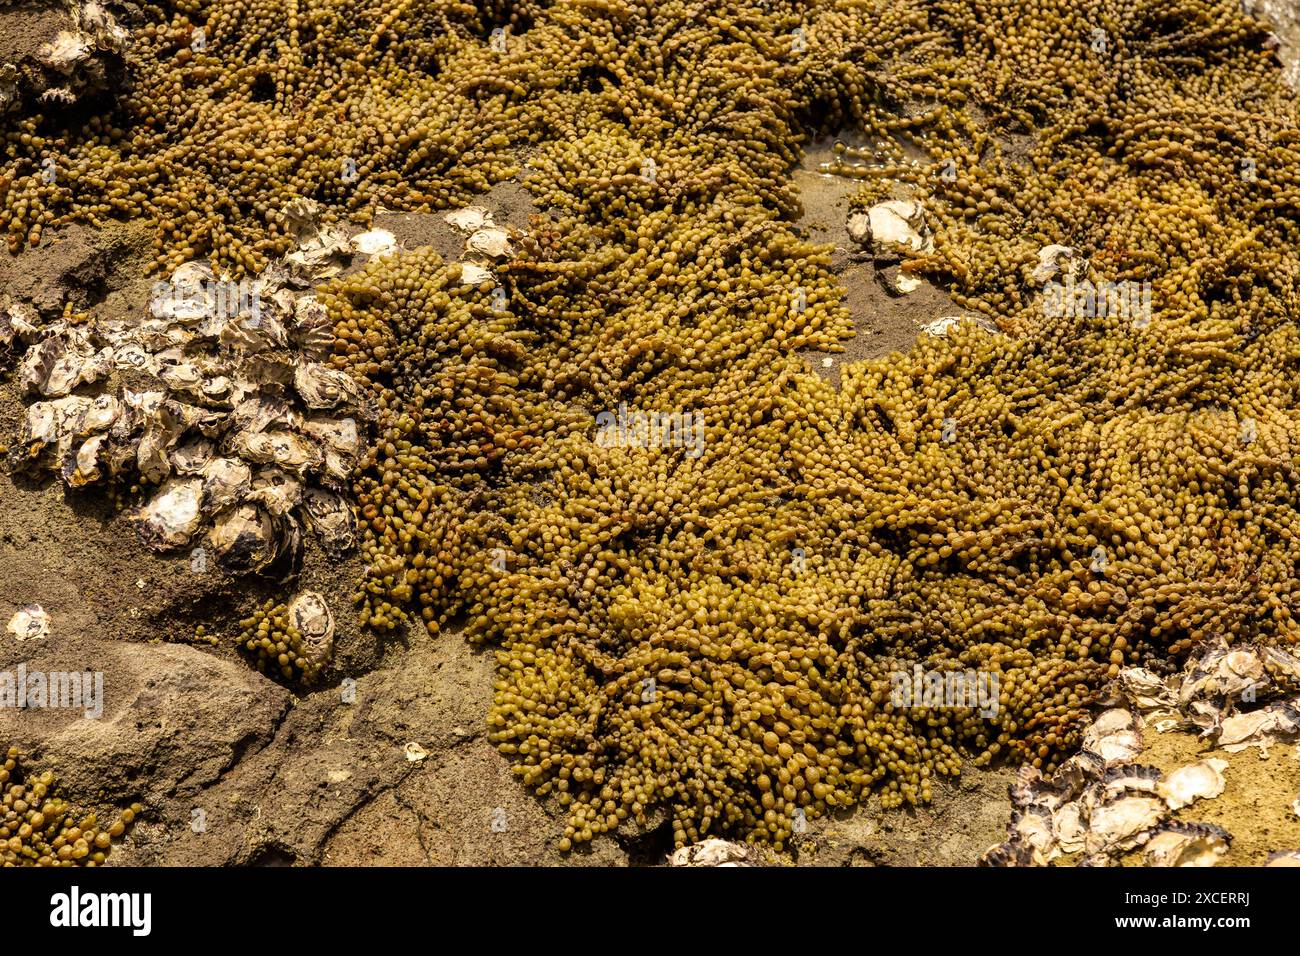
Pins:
<point x="1102" y="805"/>
<point x="219" y="396"/>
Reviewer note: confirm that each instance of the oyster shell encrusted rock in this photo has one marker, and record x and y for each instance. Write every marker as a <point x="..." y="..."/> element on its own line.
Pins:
<point x="218" y="397"/>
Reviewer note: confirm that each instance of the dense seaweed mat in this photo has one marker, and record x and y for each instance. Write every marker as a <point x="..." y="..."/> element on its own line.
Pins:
<point x="710" y="640"/>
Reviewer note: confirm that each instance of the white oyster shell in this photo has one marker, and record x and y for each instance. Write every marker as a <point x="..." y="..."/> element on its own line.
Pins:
<point x="898" y="227"/>
<point x="1186" y="844"/>
<point x="30" y="623"/>
<point x="170" y="518"/>
<point x="1202" y="780"/>
<point x="714" y="852"/>
<point x="1122" y="824"/>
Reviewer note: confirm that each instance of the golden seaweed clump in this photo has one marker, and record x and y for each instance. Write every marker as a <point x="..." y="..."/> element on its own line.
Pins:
<point x="40" y="829"/>
<point x="716" y="628"/>
<point x="236" y="109"/>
